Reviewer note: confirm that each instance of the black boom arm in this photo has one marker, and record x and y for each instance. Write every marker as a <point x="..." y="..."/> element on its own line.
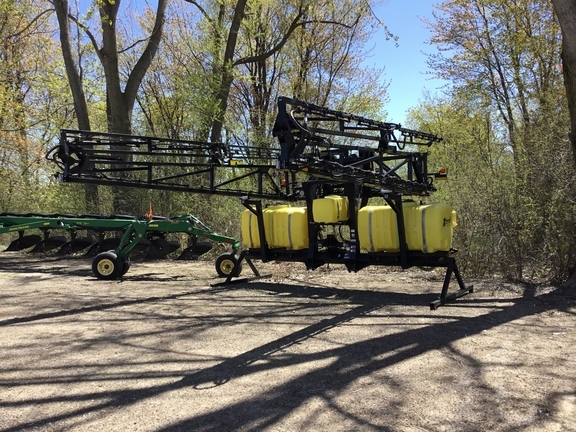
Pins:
<point x="312" y="142"/>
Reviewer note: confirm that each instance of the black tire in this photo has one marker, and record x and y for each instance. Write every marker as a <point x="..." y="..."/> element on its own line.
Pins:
<point x="107" y="266"/>
<point x="227" y="264"/>
<point x="125" y="265"/>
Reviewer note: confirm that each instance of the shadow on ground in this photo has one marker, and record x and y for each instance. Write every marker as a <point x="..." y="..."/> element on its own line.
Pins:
<point x="352" y="361"/>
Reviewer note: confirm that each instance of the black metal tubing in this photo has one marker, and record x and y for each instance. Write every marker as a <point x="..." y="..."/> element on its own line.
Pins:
<point x="255" y="206"/>
<point x="312" y="141"/>
<point x="363" y="260"/>
<point x="451" y="269"/>
<point x="299" y="123"/>
<point x="195" y="167"/>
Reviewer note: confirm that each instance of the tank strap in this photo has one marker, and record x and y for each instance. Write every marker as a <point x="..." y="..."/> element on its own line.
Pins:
<point x="250" y="228"/>
<point x="370" y="232"/>
<point x="290" y="231"/>
<point x="424" y="246"/>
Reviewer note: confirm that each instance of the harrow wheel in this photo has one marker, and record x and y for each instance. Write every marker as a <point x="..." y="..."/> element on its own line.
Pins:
<point x="228" y="264"/>
<point x="125" y="265"/>
<point x="108" y="266"/>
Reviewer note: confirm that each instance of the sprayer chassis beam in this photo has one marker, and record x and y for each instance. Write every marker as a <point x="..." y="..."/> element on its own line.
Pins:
<point x="363" y="260"/>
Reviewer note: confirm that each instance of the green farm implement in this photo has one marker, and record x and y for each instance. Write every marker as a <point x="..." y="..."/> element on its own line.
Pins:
<point x="111" y="255"/>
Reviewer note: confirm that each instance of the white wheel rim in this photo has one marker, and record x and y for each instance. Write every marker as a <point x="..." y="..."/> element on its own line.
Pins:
<point x="105" y="267"/>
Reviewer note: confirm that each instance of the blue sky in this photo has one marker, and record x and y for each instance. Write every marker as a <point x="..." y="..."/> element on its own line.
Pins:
<point x="405" y="65"/>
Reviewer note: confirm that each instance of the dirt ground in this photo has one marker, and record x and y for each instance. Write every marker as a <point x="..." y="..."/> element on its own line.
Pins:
<point x="163" y="350"/>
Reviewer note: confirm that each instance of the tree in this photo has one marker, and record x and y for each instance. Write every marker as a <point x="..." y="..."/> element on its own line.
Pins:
<point x="177" y="98"/>
<point x="502" y="57"/>
<point x="566" y="13"/>
<point x="478" y="166"/>
<point x="320" y="63"/>
<point x="33" y="103"/>
<point x="120" y="94"/>
<point x="74" y="77"/>
<point x="335" y="52"/>
<point x="76" y="86"/>
<point x="120" y="102"/>
<point x="226" y="37"/>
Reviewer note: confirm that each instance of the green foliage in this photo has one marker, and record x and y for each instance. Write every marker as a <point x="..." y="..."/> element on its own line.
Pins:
<point x="505" y="128"/>
<point x="34" y="104"/>
<point x="522" y="231"/>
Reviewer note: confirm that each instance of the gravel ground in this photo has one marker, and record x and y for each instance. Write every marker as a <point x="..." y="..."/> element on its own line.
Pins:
<point x="162" y="350"/>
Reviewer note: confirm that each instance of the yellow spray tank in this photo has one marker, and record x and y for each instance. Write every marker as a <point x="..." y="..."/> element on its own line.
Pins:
<point x="428" y="228"/>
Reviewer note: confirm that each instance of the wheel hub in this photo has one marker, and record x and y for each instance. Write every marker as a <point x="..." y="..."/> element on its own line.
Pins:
<point x="105" y="267"/>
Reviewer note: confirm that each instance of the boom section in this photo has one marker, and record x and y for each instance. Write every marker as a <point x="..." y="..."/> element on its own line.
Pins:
<point x="176" y="165"/>
<point x="313" y="142"/>
<point x="336" y="145"/>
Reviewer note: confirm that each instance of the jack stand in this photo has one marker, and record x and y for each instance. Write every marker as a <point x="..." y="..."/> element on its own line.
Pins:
<point x="229" y="280"/>
<point x="444" y="296"/>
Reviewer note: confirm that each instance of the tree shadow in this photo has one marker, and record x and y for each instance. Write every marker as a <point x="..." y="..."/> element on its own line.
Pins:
<point x="348" y="367"/>
<point x="326" y="292"/>
<point x="93" y="308"/>
<point x="349" y="362"/>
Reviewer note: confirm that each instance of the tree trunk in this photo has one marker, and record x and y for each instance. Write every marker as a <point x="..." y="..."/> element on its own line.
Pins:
<point x="80" y="105"/>
<point x="120" y="104"/>
<point x="566" y="13"/>
<point x="228" y="63"/>
<point x="227" y="70"/>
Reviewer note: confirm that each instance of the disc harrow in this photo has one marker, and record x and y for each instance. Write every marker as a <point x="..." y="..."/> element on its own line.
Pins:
<point x="111" y="240"/>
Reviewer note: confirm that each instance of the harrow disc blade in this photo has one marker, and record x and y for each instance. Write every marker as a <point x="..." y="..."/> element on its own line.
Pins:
<point x="112" y="244"/>
<point x="93" y="250"/>
<point x="75" y="246"/>
<point x="24" y="242"/>
<point x="160" y="248"/>
<point x="141" y="246"/>
<point x="49" y="244"/>
<point x="194" y="251"/>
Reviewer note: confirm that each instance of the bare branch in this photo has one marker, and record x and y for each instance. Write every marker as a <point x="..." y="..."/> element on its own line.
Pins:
<point x="387" y="32"/>
<point x="88" y="33"/>
<point x="295" y="24"/>
<point x="133" y="45"/>
<point x="203" y="12"/>
<point x="139" y="70"/>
